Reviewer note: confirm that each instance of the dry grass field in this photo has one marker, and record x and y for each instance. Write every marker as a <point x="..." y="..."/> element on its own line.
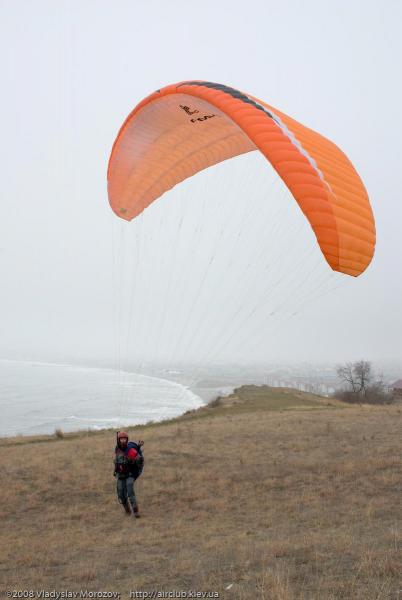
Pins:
<point x="271" y="493"/>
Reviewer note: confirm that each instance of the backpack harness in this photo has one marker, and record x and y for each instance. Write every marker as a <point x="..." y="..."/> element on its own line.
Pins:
<point x="123" y="466"/>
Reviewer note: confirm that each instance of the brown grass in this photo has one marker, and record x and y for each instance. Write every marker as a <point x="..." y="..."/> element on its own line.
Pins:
<point x="284" y="495"/>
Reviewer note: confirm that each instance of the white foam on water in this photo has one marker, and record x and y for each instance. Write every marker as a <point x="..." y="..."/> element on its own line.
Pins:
<point x="38" y="398"/>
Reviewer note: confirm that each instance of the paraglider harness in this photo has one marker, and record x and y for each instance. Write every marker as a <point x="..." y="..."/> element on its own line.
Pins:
<point x="123" y="466"/>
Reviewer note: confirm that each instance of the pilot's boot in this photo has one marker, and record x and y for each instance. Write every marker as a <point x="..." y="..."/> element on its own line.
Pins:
<point x="126" y="507"/>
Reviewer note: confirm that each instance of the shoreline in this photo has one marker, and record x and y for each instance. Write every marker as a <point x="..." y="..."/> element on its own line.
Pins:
<point x="41" y="398"/>
<point x="209" y="397"/>
<point x="58" y="434"/>
<point x="201" y="396"/>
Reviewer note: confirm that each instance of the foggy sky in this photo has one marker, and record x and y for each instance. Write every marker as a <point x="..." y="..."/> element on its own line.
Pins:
<point x="72" y="71"/>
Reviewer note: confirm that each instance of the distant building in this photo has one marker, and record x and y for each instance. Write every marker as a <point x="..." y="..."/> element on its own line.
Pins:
<point x="397" y="389"/>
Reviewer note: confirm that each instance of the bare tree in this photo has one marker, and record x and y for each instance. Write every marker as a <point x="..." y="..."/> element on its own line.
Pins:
<point x="360" y="385"/>
<point x="345" y="374"/>
<point x="356" y="375"/>
<point x="362" y="373"/>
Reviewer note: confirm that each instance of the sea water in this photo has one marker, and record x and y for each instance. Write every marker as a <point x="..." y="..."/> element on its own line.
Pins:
<point x="37" y="398"/>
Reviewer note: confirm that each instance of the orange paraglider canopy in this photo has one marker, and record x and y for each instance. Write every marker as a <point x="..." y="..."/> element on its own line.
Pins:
<point x="186" y="127"/>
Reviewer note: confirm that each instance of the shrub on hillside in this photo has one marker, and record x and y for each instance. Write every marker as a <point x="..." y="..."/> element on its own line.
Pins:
<point x="360" y="386"/>
<point x="372" y="396"/>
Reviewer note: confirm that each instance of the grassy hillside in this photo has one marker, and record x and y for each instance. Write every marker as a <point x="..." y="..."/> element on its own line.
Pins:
<point x="270" y="492"/>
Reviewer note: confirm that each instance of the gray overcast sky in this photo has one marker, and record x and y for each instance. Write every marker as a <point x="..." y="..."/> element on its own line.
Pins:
<point x="72" y="71"/>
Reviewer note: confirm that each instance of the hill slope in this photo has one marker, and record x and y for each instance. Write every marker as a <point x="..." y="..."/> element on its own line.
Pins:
<point x="275" y="493"/>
